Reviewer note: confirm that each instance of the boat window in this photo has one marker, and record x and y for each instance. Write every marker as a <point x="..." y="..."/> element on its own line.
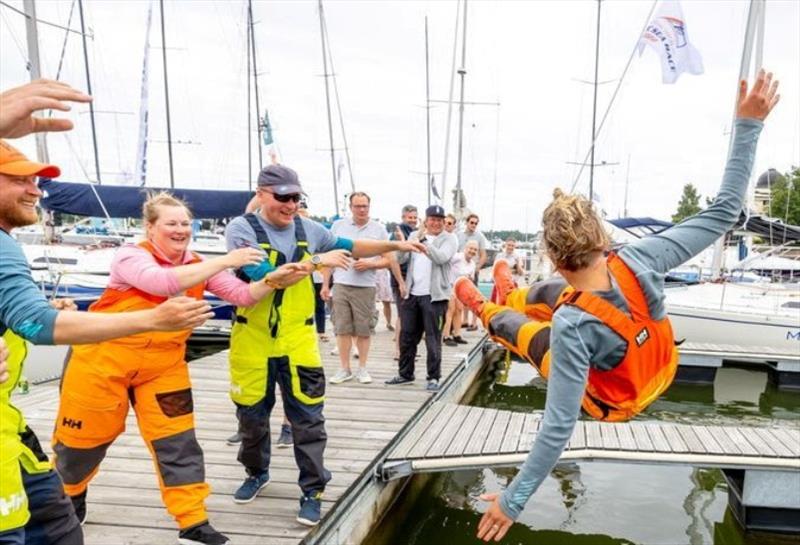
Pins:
<point x="791" y="304"/>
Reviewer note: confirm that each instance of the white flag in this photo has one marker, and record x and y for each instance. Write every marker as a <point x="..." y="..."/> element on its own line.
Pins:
<point x="666" y="33"/>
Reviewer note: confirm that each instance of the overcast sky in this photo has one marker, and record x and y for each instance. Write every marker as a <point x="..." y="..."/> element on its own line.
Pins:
<point x="525" y="55"/>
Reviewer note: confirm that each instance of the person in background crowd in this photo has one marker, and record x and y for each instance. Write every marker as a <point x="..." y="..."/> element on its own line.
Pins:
<point x="509" y="259"/>
<point x="423" y="310"/>
<point x="450" y="223"/>
<point x="409" y="221"/>
<point x="462" y="264"/>
<point x="471" y="232"/>
<point x="355" y="315"/>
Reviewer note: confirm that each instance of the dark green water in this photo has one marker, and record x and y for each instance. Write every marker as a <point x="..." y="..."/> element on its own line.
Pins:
<point x="598" y="503"/>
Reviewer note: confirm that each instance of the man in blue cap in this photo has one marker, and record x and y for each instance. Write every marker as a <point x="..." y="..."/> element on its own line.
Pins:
<point x="429" y="286"/>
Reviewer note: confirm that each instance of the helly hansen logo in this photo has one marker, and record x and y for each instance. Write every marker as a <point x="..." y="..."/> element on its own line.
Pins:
<point x="70" y="423"/>
<point x="642" y="337"/>
<point x="12" y="503"/>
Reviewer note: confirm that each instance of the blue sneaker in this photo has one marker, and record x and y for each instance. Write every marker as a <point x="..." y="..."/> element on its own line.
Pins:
<point x="310" y="507"/>
<point x="251" y="487"/>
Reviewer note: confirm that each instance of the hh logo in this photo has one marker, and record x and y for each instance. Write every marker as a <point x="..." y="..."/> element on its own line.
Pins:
<point x="642" y="337"/>
<point x="12" y="503"/>
<point x="70" y="423"/>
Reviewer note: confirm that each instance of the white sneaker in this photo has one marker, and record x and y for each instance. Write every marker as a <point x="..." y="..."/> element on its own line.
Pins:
<point x="342" y="375"/>
<point x="334" y="350"/>
<point x="363" y="376"/>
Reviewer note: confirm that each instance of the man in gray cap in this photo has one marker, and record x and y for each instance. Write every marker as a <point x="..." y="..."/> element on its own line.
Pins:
<point x="275" y="340"/>
<point x="428" y="291"/>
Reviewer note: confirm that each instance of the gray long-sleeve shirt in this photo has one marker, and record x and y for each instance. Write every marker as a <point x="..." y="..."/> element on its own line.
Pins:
<point x="579" y="339"/>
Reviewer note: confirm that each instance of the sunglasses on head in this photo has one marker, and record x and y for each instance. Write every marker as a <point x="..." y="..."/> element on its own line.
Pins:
<point x="293" y="197"/>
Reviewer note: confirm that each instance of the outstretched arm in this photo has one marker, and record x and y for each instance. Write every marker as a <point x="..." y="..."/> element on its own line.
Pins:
<point x="680" y="243"/>
<point x="17" y="106"/>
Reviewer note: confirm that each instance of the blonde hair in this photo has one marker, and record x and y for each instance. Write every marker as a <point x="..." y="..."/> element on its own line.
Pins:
<point x="573" y="232"/>
<point x="160" y="198"/>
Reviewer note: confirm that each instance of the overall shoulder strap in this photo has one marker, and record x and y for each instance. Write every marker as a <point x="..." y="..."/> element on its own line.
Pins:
<point x="630" y="287"/>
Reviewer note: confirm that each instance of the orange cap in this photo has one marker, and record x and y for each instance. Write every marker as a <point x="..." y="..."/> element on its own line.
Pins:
<point x="14" y="163"/>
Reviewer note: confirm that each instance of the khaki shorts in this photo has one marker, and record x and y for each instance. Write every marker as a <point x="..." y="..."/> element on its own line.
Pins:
<point x="354" y="311"/>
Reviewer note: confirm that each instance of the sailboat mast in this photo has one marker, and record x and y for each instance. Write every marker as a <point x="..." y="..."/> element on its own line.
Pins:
<point x="462" y="71"/>
<point x="32" y="35"/>
<point x="594" y="103"/>
<point x="89" y="91"/>
<point x="166" y="95"/>
<point x="249" y="113"/>
<point x="141" y="151"/>
<point x="754" y="35"/>
<point x="326" y="75"/>
<point x="428" y="111"/>
<point x="255" y="81"/>
<point x="450" y="105"/>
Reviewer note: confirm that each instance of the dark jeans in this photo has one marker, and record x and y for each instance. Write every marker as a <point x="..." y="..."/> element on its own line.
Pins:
<point x="308" y="429"/>
<point x="319" y="309"/>
<point x="418" y="315"/>
<point x="53" y="520"/>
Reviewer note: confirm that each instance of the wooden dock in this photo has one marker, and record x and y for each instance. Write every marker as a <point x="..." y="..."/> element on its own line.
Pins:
<point x="451" y="437"/>
<point x="124" y="504"/>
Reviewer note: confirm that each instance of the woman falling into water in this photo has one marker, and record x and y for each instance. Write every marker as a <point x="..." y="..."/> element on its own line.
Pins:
<point x="600" y="333"/>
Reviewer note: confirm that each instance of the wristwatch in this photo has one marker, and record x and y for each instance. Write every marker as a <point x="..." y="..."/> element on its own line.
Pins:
<point x="316" y="260"/>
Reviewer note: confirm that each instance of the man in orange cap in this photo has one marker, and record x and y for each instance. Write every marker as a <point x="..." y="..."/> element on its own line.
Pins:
<point x="33" y="506"/>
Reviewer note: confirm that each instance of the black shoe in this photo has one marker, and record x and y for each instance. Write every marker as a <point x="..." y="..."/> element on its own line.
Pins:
<point x="201" y="534"/>
<point x="79" y="503"/>
<point x="460" y="340"/>
<point x="449" y="341"/>
<point x="399" y="380"/>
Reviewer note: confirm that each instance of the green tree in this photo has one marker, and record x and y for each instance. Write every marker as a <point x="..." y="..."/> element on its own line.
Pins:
<point x="689" y="205"/>
<point x="785" y="197"/>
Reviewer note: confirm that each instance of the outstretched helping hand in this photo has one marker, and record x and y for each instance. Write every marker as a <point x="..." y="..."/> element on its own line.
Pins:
<point x="494" y="524"/>
<point x="18" y="104"/>
<point x="762" y="98"/>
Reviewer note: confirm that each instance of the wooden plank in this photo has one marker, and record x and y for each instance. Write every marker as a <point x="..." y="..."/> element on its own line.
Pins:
<point x="468" y="425"/>
<point x="773" y="442"/>
<point x="407" y="443"/>
<point x="439" y="446"/>
<point x="529" y="430"/>
<point x="676" y="443"/>
<point x="609" y="434"/>
<point x="707" y="439"/>
<point x="593" y="437"/>
<point x="790" y="441"/>
<point x="513" y="433"/>
<point x="758" y="443"/>
<point x="741" y="443"/>
<point x="578" y="439"/>
<point x="690" y="438"/>
<point x="640" y="435"/>
<point x="496" y="433"/>
<point x="625" y="435"/>
<point x="424" y="443"/>
<point x="475" y="443"/>
<point x="659" y="440"/>
<point x="719" y="435"/>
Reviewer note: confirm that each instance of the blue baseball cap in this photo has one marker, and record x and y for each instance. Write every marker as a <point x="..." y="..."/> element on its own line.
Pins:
<point x="280" y="180"/>
<point x="434" y="211"/>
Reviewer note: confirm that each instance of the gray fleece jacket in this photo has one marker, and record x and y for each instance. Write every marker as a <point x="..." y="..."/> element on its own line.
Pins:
<point x="441" y="250"/>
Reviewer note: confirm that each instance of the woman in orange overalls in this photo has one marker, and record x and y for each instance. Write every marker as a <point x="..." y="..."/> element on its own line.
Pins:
<point x="148" y="371"/>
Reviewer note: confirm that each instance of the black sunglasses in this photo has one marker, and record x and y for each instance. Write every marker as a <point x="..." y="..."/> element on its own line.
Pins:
<point x="294" y="197"/>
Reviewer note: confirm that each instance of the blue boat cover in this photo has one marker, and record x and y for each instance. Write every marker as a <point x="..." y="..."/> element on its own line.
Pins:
<point x="83" y="199"/>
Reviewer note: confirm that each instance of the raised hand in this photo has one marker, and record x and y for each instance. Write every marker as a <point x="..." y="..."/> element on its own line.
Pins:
<point x="244" y="256"/>
<point x="398" y="233"/>
<point x="288" y="274"/>
<point x="761" y="99"/>
<point x="180" y="313"/>
<point x="494" y="524"/>
<point x="18" y="104"/>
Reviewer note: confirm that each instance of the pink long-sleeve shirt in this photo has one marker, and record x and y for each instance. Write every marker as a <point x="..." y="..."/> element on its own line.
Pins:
<point x="133" y="266"/>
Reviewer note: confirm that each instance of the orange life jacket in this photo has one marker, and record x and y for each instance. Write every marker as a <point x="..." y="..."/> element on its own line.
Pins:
<point x="132" y="299"/>
<point x="650" y="361"/>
